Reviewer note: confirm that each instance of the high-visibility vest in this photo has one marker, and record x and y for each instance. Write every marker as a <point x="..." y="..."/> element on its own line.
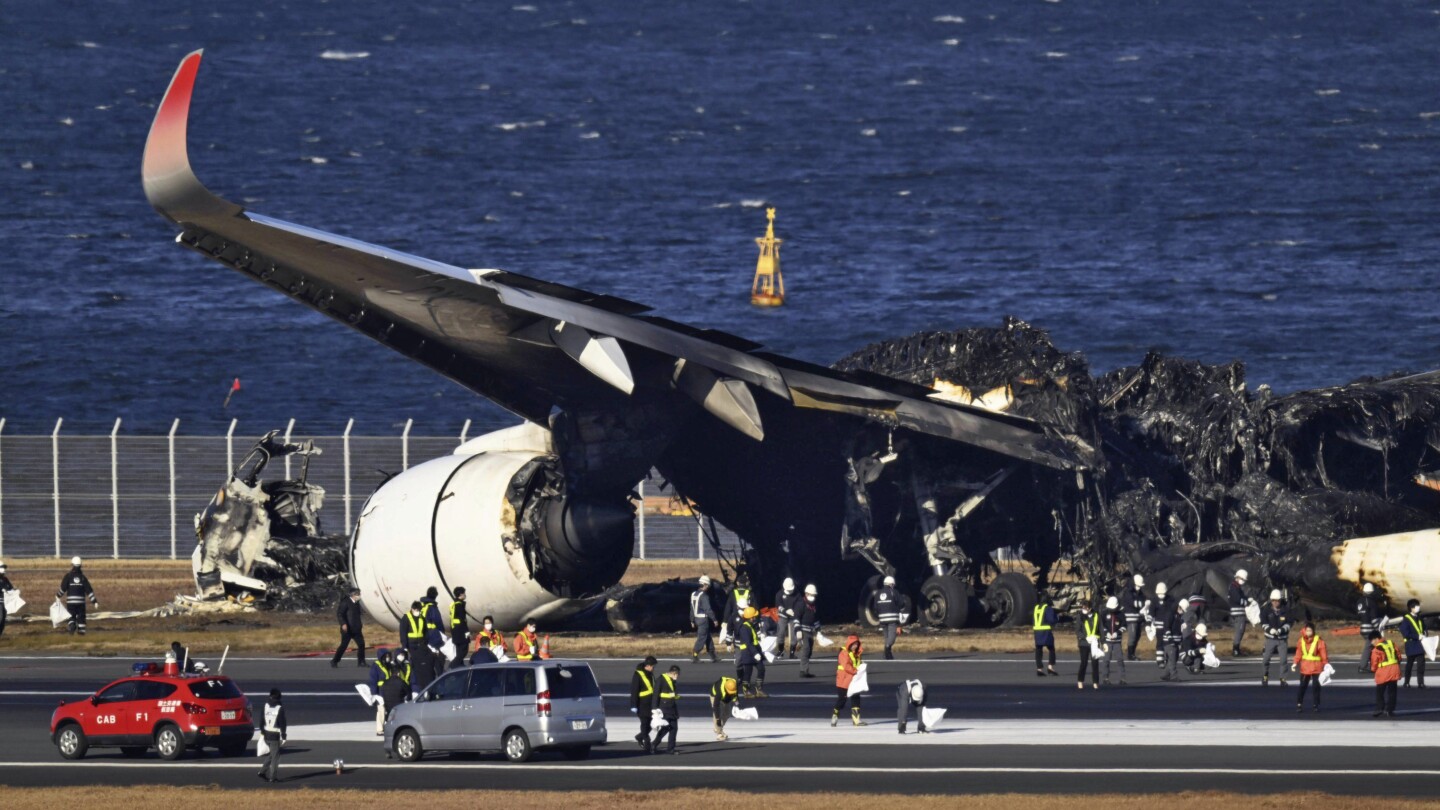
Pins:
<point x="490" y="639"/>
<point x="1039" y="623"/>
<point x="742" y="593"/>
<point x="1388" y="647"/>
<point x="457" y="619"/>
<point x="667" y="691"/>
<point x="754" y="637"/>
<point x="1309" y="654"/>
<point x="523" y="642"/>
<point x="649" y="688"/>
<point x="425" y="608"/>
<point x="417" y="627"/>
<point x="722" y="691"/>
<point x="1417" y="624"/>
<point x="384" y="674"/>
<point x="854" y="662"/>
<point x="1092" y="624"/>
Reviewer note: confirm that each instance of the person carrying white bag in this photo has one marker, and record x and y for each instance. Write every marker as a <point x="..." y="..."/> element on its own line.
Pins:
<point x="10" y="601"/>
<point x="1087" y="633"/>
<point x="1413" y="629"/>
<point x="1312" y="660"/>
<point x="850" y="681"/>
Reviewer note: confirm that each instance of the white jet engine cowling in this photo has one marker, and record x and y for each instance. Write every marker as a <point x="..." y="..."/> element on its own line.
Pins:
<point x="495" y="518"/>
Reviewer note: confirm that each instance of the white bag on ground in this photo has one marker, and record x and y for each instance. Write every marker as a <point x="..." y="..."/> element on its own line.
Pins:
<point x="262" y="748"/>
<point x="822" y="640"/>
<point x="1252" y="612"/>
<point x="1095" y="649"/>
<point x="859" y="683"/>
<point x="1431" y="644"/>
<point x="366" y="695"/>
<point x="1150" y="632"/>
<point x="931" y="717"/>
<point x="1326" y="674"/>
<point x="657" y="719"/>
<point x="59" y="614"/>
<point x="1211" y="659"/>
<point x="744" y="714"/>
<point x="13" y="602"/>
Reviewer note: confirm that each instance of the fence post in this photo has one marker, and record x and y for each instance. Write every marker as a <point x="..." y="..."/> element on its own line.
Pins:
<point x="229" y="448"/>
<point x="699" y="536"/>
<point x="174" y="426"/>
<point x="405" y="446"/>
<point x="115" y="491"/>
<point x="55" y="477"/>
<point x="2" y="489"/>
<point x="465" y="432"/>
<point x="288" y="429"/>
<point x="640" y="521"/>
<point x="346" y="452"/>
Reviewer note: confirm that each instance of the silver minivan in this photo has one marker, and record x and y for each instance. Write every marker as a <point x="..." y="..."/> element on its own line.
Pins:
<point x="514" y="707"/>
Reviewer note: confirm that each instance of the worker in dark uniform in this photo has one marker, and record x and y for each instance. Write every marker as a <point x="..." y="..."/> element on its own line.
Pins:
<point x="5" y="587"/>
<point x="1192" y="653"/>
<point x="1414" y="632"/>
<point x="417" y="640"/>
<point x="702" y="618"/>
<point x="807" y="624"/>
<point x="1368" y="608"/>
<point x="910" y="695"/>
<point x="1160" y="612"/>
<point x="1043" y="624"/>
<point x="459" y="627"/>
<point x="724" y="695"/>
<point x="1387" y="673"/>
<point x="430" y="609"/>
<point x="1112" y="633"/>
<point x="1174" y="635"/>
<point x="1275" y="624"/>
<point x="668" y="701"/>
<point x="886" y="604"/>
<point x="379" y="674"/>
<point x="1086" y="628"/>
<point x="1239" y="600"/>
<point x="75" y="589"/>
<point x="784" y="625"/>
<point x="735" y="604"/>
<point x="396" y="688"/>
<point x="1132" y="603"/>
<point x="347" y="613"/>
<point x="642" y="699"/>
<point x="748" y="656"/>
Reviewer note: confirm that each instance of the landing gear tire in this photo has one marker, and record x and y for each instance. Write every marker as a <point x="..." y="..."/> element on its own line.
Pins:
<point x="945" y="602"/>
<point x="1011" y="599"/>
<point x="865" y="610"/>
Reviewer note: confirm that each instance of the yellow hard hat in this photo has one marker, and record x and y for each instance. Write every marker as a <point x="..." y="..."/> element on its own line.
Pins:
<point x="731" y="687"/>
<point x="750" y="613"/>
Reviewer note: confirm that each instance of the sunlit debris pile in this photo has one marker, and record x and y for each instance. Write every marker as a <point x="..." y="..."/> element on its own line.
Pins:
<point x="261" y="541"/>
<point x="1188" y="455"/>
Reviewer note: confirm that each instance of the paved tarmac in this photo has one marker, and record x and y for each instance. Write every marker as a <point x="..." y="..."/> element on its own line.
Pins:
<point x="1005" y="730"/>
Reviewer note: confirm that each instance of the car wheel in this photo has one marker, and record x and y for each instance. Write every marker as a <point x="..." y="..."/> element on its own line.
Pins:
<point x="578" y="752"/>
<point x="946" y="603"/>
<point x="169" y="742"/>
<point x="132" y="751"/>
<point x="71" y="742"/>
<point x="517" y="745"/>
<point x="407" y="745"/>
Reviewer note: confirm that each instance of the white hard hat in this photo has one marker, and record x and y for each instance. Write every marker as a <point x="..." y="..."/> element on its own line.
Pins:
<point x="1139" y="581"/>
<point x="889" y="580"/>
<point x="789" y="584"/>
<point x="1112" y="603"/>
<point x="704" y="580"/>
<point x="1367" y="589"/>
<point x="917" y="691"/>
<point x="74" y="560"/>
<point x="1183" y="604"/>
<point x="810" y="590"/>
<point x="1160" y="589"/>
<point x="1276" y="596"/>
<point x="1242" y="575"/>
<point x="1200" y="629"/>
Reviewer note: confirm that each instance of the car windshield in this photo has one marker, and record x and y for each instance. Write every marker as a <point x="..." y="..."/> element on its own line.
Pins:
<point x="571" y="682"/>
<point x="215" y="689"/>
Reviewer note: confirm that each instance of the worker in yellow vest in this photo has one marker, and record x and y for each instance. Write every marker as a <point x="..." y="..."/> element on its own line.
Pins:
<point x="1387" y="672"/>
<point x="1413" y="629"/>
<point x="1311" y="658"/>
<point x="642" y="699"/>
<point x="1042" y="622"/>
<point x="724" y="694"/>
<point x="1087" y="628"/>
<point x="527" y="644"/>
<point x="667" y="699"/>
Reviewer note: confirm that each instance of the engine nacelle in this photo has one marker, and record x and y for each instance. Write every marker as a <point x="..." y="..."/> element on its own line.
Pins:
<point x="497" y="519"/>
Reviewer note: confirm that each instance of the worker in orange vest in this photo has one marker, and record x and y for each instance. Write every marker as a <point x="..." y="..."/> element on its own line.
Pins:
<point x="1387" y="673"/>
<point x="527" y="644"/>
<point x="1311" y="658"/>
<point x="849" y="665"/>
<point x="490" y="638"/>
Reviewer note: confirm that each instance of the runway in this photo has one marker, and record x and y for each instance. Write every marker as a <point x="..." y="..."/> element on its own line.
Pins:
<point x="1005" y="730"/>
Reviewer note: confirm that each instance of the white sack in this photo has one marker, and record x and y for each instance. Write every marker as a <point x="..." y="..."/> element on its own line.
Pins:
<point x="58" y="613"/>
<point x="657" y="720"/>
<point x="931" y="717"/>
<point x="13" y="602"/>
<point x="1326" y="674"/>
<point x="1096" y="650"/>
<point x="1211" y="659"/>
<point x="366" y="695"/>
<point x="860" y="683"/>
<point x="1150" y="632"/>
<point x="1252" y="612"/>
<point x="262" y="748"/>
<point x="822" y="640"/>
<point x="448" y="649"/>
<point x="744" y="714"/>
<point x="1430" y="643"/>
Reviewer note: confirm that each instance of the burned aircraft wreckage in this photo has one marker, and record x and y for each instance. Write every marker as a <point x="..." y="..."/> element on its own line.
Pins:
<point x="920" y="457"/>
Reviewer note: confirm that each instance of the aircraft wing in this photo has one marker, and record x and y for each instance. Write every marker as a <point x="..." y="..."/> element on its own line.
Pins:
<point x="531" y="345"/>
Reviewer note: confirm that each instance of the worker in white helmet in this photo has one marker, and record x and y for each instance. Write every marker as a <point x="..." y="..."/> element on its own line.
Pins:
<point x="1371" y="617"/>
<point x="1239" y="600"/>
<point x="702" y="618"/>
<point x="1112" y="629"/>
<point x="6" y="588"/>
<point x="807" y="624"/>
<point x="886" y="602"/>
<point x="1133" y="604"/>
<point x="75" y="589"/>
<point x="785" y="599"/>
<point x="1160" y="611"/>
<point x="1173" y="636"/>
<point x="1275" y="624"/>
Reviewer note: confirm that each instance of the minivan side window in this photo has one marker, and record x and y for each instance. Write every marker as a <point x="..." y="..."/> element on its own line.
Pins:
<point x="450" y="687"/>
<point x="571" y="682"/>
<point x="485" y="683"/>
<point x="519" y="681"/>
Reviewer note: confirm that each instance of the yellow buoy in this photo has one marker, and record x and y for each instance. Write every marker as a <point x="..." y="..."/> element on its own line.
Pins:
<point x="769" y="287"/>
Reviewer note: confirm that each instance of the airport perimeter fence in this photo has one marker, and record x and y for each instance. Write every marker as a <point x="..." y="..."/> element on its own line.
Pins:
<point x="136" y="496"/>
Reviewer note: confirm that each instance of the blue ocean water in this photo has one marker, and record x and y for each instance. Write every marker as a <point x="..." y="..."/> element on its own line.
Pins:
<point x="1216" y="180"/>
